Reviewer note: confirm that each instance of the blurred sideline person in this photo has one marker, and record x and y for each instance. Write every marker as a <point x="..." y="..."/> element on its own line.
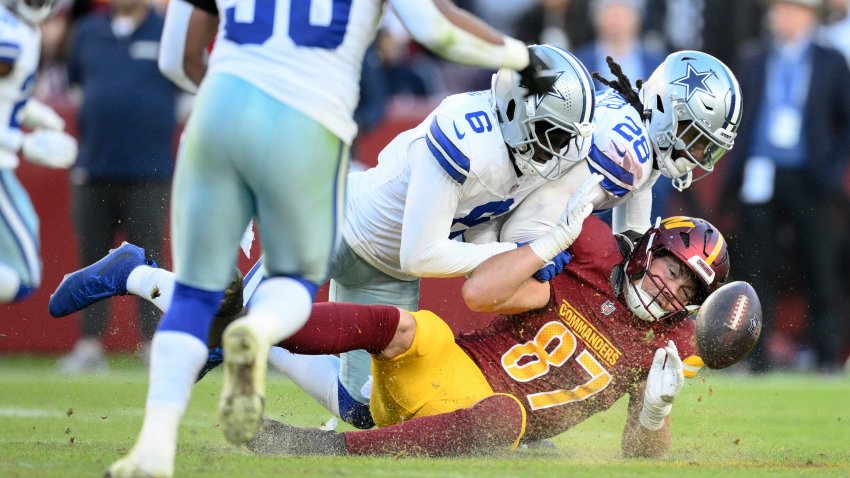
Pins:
<point x="31" y="129"/>
<point x="792" y="159"/>
<point x="121" y="181"/>
<point x="269" y="139"/>
<point x="459" y="169"/>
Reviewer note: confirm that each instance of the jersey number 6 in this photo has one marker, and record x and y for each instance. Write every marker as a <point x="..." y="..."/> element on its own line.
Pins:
<point x="312" y="23"/>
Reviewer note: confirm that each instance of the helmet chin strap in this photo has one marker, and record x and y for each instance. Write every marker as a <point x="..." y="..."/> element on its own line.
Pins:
<point x="641" y="304"/>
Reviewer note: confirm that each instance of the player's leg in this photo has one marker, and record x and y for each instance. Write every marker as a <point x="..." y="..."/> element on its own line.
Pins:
<point x="20" y="260"/>
<point x="145" y="203"/>
<point x="210" y="209"/>
<point x="428" y="394"/>
<point x="297" y="173"/>
<point x="353" y="281"/>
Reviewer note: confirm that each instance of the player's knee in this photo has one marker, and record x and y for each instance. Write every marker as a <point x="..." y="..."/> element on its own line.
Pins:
<point x="12" y="288"/>
<point x="499" y="422"/>
<point x="404" y="335"/>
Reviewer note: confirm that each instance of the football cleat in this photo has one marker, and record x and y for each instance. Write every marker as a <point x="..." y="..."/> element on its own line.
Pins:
<point x="133" y="466"/>
<point x="243" y="392"/>
<point x="103" y="279"/>
<point x="214" y="359"/>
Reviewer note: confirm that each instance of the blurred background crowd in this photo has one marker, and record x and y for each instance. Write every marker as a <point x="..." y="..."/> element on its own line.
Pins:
<point x="781" y="196"/>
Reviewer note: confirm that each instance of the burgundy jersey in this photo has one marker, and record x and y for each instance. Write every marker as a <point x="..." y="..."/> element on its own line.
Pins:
<point x="583" y="351"/>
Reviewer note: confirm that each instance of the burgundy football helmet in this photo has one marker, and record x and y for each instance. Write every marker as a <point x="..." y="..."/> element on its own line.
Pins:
<point x="696" y="243"/>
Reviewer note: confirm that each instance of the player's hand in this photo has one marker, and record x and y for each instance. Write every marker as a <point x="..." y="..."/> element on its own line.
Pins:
<point x="568" y="227"/>
<point x="37" y="115"/>
<point x="54" y="149"/>
<point x="553" y="267"/>
<point x="538" y="76"/>
<point x="665" y="381"/>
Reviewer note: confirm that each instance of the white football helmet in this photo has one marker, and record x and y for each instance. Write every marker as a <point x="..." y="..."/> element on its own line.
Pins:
<point x="551" y="124"/>
<point x="692" y="103"/>
<point x="33" y="11"/>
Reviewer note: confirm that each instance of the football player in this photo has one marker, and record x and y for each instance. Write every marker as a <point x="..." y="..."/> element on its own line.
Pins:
<point x="691" y="118"/>
<point x="44" y="143"/>
<point x="678" y="125"/>
<point x="614" y="322"/>
<point x="269" y="139"/>
<point x="456" y="170"/>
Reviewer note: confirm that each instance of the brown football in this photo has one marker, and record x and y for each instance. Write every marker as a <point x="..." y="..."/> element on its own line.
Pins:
<point x="728" y="325"/>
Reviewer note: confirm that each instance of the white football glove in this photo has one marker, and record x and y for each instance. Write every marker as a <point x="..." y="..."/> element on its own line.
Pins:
<point x="54" y="149"/>
<point x="37" y="115"/>
<point x="568" y="227"/>
<point x="664" y="382"/>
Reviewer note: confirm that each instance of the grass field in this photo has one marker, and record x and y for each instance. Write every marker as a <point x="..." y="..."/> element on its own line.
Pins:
<point x="723" y="425"/>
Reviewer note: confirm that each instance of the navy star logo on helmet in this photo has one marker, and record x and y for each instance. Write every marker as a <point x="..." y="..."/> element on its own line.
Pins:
<point x="694" y="81"/>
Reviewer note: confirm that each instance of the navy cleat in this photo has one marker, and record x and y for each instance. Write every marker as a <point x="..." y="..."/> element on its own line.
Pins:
<point x="103" y="279"/>
<point x="214" y="359"/>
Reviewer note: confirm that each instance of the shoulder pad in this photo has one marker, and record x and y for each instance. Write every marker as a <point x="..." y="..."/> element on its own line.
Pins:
<point x="464" y="137"/>
<point x="621" y="150"/>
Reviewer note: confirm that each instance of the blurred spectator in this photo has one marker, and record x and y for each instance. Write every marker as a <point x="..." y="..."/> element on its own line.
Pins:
<point x="563" y="23"/>
<point x="121" y="181"/>
<point x="618" y="29"/>
<point x="502" y="15"/>
<point x="787" y="168"/>
<point x="836" y="32"/>
<point x="717" y="27"/>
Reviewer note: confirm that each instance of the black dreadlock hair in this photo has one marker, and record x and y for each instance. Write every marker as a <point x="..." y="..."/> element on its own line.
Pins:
<point x="622" y="85"/>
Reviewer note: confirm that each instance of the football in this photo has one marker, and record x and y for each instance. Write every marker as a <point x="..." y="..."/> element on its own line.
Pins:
<point x="728" y="325"/>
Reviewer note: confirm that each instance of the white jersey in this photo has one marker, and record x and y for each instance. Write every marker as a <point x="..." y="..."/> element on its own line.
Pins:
<point x="431" y="184"/>
<point x="621" y="153"/>
<point x="307" y="55"/>
<point x="20" y="44"/>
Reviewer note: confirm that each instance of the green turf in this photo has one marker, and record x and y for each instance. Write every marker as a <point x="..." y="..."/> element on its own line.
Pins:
<point x="779" y="425"/>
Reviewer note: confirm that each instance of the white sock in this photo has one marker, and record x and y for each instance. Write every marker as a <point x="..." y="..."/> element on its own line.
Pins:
<point x="152" y="284"/>
<point x="315" y="374"/>
<point x="278" y="308"/>
<point x="10" y="284"/>
<point x="176" y="358"/>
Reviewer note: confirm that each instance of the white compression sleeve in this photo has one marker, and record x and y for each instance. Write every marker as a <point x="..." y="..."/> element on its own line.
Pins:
<point x="173" y="44"/>
<point x="432" y="199"/>
<point x="428" y="26"/>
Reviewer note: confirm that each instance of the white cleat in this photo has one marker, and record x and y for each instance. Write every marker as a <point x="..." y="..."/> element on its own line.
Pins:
<point x="135" y="466"/>
<point x="243" y="393"/>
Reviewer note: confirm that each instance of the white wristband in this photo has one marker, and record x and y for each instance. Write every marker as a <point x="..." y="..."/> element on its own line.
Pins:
<point x="652" y="416"/>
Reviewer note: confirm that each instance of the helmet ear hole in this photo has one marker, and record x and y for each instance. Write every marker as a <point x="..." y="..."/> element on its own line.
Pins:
<point x="511" y="109"/>
<point x="686" y="238"/>
<point x="659" y="105"/>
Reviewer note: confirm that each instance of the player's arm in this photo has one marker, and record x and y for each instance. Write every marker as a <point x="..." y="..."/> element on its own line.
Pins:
<point x="639" y="441"/>
<point x="433" y="195"/>
<point x="187" y="32"/>
<point x="647" y="431"/>
<point x="634" y="214"/>
<point x="504" y="283"/>
<point x="540" y="211"/>
<point x="457" y="35"/>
